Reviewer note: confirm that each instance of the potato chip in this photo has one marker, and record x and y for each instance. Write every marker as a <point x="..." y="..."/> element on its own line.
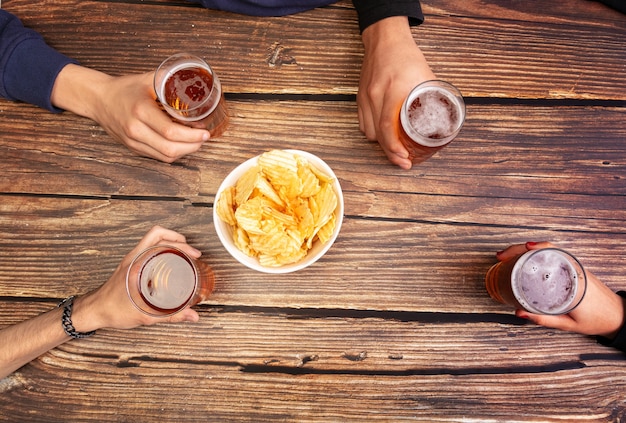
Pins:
<point x="287" y="220"/>
<point x="281" y="169"/>
<point x="249" y="215"/>
<point x="275" y="162"/>
<point x="326" y="231"/>
<point x="326" y="201"/>
<point x="226" y="206"/>
<point x="242" y="241"/>
<point x="310" y="181"/>
<point x="266" y="189"/>
<point x="306" y="222"/>
<point x="246" y="184"/>
<point x="279" y="208"/>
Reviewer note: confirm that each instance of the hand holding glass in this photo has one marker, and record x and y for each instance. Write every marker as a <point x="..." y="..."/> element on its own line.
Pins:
<point x="545" y="281"/>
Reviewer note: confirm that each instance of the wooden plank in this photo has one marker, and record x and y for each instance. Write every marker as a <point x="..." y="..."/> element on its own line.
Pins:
<point x="54" y="249"/>
<point x="503" y="151"/>
<point x="341" y="341"/>
<point x="572" y="50"/>
<point x="305" y="369"/>
<point x="203" y="392"/>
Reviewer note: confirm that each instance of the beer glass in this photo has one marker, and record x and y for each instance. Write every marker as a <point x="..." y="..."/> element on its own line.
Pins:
<point x="546" y="281"/>
<point x="191" y="93"/>
<point x="431" y="116"/>
<point x="162" y="280"/>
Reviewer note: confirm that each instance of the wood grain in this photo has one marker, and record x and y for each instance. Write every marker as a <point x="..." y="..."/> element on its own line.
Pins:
<point x="393" y="323"/>
<point x="317" y="369"/>
<point x="572" y="51"/>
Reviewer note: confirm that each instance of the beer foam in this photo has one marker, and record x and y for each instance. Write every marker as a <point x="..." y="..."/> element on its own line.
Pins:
<point x="547" y="282"/>
<point x="434" y="114"/>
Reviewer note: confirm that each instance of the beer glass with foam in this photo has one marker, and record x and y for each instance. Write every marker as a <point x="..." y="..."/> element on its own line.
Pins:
<point x="546" y="281"/>
<point x="162" y="280"/>
<point x="431" y="116"/>
<point x="191" y="93"/>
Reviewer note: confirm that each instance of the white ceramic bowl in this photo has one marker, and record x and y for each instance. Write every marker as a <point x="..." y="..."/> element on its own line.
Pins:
<point x="225" y="234"/>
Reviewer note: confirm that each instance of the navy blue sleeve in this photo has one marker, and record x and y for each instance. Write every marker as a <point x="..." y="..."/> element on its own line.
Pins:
<point x="369" y="11"/>
<point x="264" y="7"/>
<point x="28" y="66"/>
<point x="372" y="11"/>
<point x="619" y="341"/>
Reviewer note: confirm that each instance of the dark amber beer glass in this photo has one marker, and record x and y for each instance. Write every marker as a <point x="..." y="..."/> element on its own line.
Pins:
<point x="191" y="92"/>
<point x="162" y="280"/>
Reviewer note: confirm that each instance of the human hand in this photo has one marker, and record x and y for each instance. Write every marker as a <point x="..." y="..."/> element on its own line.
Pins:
<point x="392" y="66"/>
<point x="126" y="108"/>
<point x="109" y="305"/>
<point x="601" y="311"/>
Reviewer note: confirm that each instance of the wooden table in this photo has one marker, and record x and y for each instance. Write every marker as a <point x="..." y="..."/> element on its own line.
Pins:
<point x="393" y="323"/>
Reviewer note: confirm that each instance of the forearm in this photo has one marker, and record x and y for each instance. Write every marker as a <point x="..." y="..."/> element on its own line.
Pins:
<point x="78" y="89"/>
<point x="614" y="322"/>
<point x="615" y="335"/>
<point x="23" y="342"/>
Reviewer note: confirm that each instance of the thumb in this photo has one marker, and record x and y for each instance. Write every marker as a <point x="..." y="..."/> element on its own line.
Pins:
<point x="186" y="315"/>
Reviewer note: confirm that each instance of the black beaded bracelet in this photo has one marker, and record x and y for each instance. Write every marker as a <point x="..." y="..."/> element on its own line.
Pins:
<point x="66" y="320"/>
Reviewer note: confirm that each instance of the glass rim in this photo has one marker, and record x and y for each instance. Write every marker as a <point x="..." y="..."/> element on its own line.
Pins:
<point x="136" y="259"/>
<point x="162" y="74"/>
<point x="456" y="96"/>
<point x="523" y="259"/>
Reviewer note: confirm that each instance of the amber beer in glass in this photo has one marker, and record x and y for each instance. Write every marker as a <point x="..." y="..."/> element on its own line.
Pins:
<point x="162" y="280"/>
<point x="546" y="281"/>
<point x="191" y="93"/>
<point x="431" y="116"/>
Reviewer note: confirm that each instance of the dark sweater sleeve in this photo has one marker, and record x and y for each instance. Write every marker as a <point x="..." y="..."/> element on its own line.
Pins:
<point x="372" y="11"/>
<point x="619" y="341"/>
<point x="616" y="4"/>
<point x="28" y="66"/>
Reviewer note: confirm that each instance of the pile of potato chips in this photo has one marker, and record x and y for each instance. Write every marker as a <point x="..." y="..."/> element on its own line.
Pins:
<point x="278" y="208"/>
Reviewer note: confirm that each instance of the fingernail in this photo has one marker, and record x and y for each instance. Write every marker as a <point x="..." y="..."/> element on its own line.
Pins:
<point x="521" y="313"/>
<point x="206" y="136"/>
<point x="530" y="244"/>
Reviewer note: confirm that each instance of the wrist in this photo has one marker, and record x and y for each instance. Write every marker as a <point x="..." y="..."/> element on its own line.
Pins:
<point x="84" y="317"/>
<point x="389" y="30"/>
<point x="67" y="307"/>
<point x="618" y="318"/>
<point x="78" y="89"/>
